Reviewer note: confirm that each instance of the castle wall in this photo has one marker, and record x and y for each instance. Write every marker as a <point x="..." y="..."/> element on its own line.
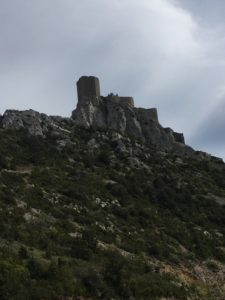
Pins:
<point x="169" y="131"/>
<point x="128" y="101"/>
<point x="147" y="115"/>
<point x="88" y="86"/>
<point x="153" y="114"/>
<point x="178" y="137"/>
<point x="124" y="101"/>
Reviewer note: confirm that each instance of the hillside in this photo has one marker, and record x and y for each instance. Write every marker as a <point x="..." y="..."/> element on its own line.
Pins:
<point x="107" y="204"/>
<point x="100" y="215"/>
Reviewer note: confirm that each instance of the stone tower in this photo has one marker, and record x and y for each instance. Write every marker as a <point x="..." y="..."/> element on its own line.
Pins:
<point x="88" y="86"/>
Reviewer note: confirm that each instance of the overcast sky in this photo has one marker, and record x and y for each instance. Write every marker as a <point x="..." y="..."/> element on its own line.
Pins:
<point x="168" y="54"/>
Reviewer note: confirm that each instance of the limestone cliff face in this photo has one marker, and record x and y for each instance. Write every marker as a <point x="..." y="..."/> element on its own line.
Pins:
<point x="114" y="113"/>
<point x="34" y="122"/>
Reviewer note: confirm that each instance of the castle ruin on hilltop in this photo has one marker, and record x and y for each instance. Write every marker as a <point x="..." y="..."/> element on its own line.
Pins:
<point x="119" y="113"/>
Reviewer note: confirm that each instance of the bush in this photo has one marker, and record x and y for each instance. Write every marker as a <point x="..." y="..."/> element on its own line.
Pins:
<point x="104" y="157"/>
<point x="81" y="250"/>
<point x="14" y="281"/>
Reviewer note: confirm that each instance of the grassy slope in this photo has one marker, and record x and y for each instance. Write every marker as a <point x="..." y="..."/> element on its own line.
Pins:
<point x="107" y="223"/>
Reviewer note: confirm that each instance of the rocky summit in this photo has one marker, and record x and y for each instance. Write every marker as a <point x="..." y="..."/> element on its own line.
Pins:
<point x="103" y="113"/>
<point x="108" y="205"/>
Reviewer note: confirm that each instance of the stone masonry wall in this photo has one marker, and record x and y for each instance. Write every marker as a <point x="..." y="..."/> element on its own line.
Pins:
<point x="88" y="87"/>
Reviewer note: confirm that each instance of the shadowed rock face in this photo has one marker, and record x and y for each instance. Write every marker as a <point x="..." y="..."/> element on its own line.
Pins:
<point x="119" y="114"/>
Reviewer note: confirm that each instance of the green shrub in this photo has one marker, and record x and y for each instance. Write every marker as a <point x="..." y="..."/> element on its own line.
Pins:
<point x="14" y="281"/>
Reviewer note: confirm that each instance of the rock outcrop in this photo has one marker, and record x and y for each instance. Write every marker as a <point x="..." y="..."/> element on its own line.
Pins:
<point x="34" y="122"/>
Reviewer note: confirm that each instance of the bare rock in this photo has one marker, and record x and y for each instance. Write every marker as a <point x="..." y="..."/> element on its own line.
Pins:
<point x="34" y="122"/>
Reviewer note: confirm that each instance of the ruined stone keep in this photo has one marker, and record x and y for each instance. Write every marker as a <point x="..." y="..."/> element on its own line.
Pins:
<point x="88" y="86"/>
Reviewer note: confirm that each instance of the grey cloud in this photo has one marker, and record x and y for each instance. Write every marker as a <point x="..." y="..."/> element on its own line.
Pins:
<point x="156" y="51"/>
<point x="211" y="133"/>
<point x="208" y="12"/>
